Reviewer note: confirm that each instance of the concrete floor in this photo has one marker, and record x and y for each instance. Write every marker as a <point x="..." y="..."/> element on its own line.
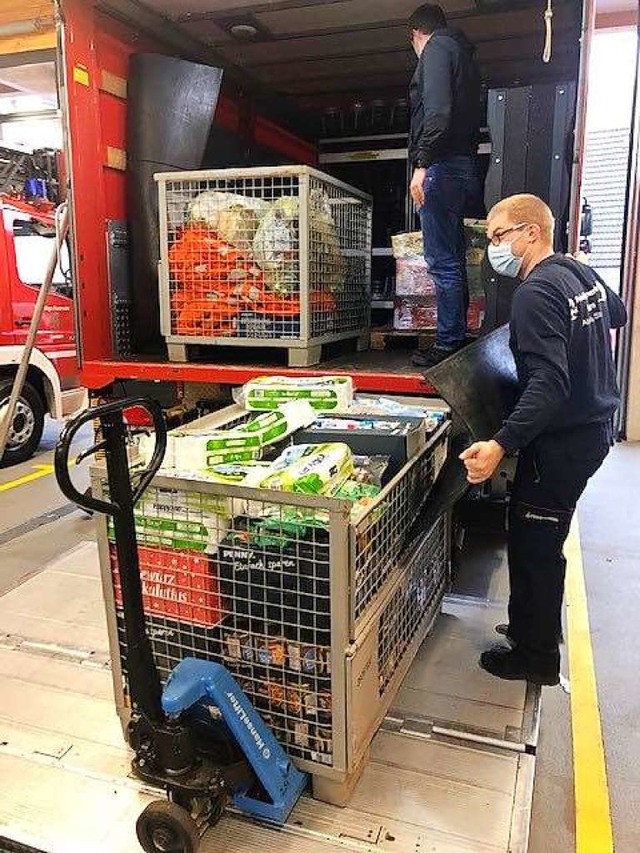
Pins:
<point x="37" y="524"/>
<point x="609" y="515"/>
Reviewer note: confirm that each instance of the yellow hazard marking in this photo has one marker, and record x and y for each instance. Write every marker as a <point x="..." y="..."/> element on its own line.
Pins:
<point x="594" y="832"/>
<point x="39" y="472"/>
<point x="81" y="74"/>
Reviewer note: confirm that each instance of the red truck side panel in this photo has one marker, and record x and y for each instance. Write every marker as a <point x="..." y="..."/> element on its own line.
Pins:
<point x="97" y="374"/>
<point x="82" y="74"/>
<point x="6" y="312"/>
<point x="96" y="45"/>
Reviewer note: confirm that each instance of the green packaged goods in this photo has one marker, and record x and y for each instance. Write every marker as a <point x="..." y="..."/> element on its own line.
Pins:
<point x="320" y="469"/>
<point x="174" y="518"/>
<point x="230" y="473"/>
<point x="353" y="490"/>
<point x="247" y="474"/>
<point x="194" y="450"/>
<point x="325" y="394"/>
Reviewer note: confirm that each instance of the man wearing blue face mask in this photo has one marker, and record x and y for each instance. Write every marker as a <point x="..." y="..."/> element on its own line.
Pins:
<point x="561" y="428"/>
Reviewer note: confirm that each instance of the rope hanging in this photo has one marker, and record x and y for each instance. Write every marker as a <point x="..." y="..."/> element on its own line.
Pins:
<point x="548" y="26"/>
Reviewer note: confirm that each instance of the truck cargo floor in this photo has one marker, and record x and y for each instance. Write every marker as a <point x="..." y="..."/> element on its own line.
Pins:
<point x="451" y="770"/>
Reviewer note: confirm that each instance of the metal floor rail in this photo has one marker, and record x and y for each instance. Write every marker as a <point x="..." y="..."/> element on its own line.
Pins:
<point x="450" y="771"/>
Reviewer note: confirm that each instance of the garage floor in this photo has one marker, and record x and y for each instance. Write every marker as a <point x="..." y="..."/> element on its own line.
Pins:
<point x="37" y="525"/>
<point x="610" y="534"/>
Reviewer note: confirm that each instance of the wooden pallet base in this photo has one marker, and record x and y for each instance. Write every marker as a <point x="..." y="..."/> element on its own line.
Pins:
<point x="386" y="338"/>
<point x="296" y="356"/>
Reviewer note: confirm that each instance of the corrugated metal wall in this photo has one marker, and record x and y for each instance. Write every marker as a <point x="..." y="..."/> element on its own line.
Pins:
<point x="604" y="186"/>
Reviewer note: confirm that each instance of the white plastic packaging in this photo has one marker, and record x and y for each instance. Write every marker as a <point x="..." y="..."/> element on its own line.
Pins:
<point x="193" y="450"/>
<point x="324" y="393"/>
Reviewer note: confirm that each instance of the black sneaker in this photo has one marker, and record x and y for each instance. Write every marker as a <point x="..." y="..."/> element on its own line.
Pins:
<point x="515" y="665"/>
<point x="432" y="356"/>
<point x="437" y="353"/>
<point x="503" y="630"/>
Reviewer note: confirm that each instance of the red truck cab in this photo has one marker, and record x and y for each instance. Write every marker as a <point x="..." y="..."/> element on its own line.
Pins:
<point x="27" y="235"/>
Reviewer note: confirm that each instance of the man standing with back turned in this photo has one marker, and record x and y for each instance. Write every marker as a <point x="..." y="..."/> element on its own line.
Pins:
<point x="444" y="95"/>
<point x="561" y="320"/>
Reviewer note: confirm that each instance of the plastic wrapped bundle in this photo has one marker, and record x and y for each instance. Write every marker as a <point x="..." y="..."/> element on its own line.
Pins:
<point x="324" y="393"/>
<point x="475" y="316"/>
<point x="407" y="245"/>
<point x="276" y="245"/>
<point x="325" y="242"/>
<point x="192" y="449"/>
<point x="233" y="217"/>
<point x="319" y="470"/>
<point x="415" y="304"/>
<point x="475" y="233"/>
<point x="412" y="277"/>
<point x="415" y="312"/>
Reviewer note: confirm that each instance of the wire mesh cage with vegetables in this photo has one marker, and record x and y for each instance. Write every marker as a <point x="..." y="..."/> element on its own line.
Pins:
<point x="274" y="256"/>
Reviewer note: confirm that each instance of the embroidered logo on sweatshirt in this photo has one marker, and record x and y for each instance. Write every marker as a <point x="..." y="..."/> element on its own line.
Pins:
<point x="587" y="306"/>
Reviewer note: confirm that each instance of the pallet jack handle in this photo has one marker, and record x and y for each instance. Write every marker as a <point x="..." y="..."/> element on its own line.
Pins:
<point x="144" y="682"/>
<point x="111" y="418"/>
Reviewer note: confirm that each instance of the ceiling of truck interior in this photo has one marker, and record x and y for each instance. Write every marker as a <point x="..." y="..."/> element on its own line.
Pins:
<point x="319" y="52"/>
<point x="34" y="78"/>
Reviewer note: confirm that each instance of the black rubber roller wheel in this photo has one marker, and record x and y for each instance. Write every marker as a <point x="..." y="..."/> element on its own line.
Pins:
<point x="165" y="827"/>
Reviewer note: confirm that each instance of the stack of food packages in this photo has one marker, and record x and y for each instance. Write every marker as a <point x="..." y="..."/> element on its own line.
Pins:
<point x="253" y="576"/>
<point x="415" y="298"/>
<point x="234" y="266"/>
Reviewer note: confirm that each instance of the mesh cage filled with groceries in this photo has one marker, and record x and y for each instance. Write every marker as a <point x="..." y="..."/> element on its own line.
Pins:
<point x="288" y="537"/>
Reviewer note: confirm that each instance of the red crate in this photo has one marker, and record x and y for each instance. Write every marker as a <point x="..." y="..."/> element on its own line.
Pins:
<point x="178" y="584"/>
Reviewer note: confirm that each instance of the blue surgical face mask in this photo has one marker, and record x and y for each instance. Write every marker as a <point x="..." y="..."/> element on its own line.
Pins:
<point x="503" y="260"/>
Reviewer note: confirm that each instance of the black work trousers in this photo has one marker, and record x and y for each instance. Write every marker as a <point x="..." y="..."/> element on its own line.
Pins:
<point x="551" y="474"/>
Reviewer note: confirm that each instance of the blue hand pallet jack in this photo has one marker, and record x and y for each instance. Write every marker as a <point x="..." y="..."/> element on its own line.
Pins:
<point x="199" y="738"/>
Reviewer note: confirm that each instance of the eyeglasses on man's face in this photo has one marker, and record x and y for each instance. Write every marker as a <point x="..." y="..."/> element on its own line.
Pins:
<point x="498" y="236"/>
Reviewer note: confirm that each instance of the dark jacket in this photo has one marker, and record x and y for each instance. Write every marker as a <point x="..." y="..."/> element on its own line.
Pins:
<point x="444" y="95"/>
<point x="561" y="319"/>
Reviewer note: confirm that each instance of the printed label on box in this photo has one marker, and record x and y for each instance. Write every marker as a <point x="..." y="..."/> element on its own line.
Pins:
<point x="178" y="584"/>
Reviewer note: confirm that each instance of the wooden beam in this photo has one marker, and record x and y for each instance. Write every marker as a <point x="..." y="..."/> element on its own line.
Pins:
<point x="615" y="20"/>
<point x="27" y="10"/>
<point x="32" y="41"/>
<point x="31" y="57"/>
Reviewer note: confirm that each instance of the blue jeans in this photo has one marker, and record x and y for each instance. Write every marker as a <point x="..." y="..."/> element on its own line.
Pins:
<point x="452" y="188"/>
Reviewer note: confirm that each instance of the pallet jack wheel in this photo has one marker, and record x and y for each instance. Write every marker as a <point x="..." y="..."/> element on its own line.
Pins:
<point x="165" y="827"/>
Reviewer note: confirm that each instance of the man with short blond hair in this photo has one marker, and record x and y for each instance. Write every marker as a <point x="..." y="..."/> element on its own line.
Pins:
<point x="561" y="428"/>
<point x="528" y="208"/>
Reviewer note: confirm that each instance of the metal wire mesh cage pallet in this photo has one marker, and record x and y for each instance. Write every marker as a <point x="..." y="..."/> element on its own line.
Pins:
<point x="315" y="612"/>
<point x="275" y="256"/>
